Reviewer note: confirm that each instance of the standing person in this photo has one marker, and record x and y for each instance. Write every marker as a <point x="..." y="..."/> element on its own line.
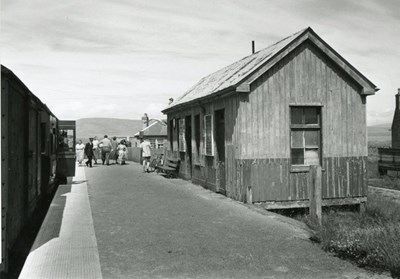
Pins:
<point x="80" y="148"/>
<point x="105" y="150"/>
<point x="114" y="150"/>
<point x="146" y="153"/>
<point x="89" y="152"/>
<point x="96" y="150"/>
<point x="122" y="152"/>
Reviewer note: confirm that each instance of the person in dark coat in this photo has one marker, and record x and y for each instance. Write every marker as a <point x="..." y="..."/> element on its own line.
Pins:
<point x="89" y="152"/>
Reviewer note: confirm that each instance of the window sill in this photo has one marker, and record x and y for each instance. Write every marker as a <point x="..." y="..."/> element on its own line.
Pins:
<point x="301" y="168"/>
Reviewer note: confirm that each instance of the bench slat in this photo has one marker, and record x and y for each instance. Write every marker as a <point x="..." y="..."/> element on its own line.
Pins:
<point x="171" y="166"/>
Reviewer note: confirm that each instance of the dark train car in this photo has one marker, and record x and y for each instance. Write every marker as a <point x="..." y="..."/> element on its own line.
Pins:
<point x="29" y="153"/>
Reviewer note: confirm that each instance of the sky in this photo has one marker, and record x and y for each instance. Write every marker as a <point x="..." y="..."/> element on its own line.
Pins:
<point x="124" y="58"/>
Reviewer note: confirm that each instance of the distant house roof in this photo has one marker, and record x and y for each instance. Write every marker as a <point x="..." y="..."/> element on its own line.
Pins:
<point x="239" y="75"/>
<point x="157" y="128"/>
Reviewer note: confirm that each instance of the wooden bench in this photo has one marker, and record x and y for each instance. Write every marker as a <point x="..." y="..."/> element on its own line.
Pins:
<point x="170" y="168"/>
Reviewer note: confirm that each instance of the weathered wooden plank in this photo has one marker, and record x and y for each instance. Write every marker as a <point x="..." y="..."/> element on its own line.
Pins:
<point x="305" y="203"/>
<point x="324" y="178"/>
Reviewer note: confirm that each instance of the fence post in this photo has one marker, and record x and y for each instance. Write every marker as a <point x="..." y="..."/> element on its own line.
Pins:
<point x="249" y="195"/>
<point x="316" y="195"/>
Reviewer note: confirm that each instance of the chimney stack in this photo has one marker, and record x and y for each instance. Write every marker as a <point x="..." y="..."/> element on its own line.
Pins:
<point x="145" y="120"/>
<point x="396" y="123"/>
<point x="253" y="47"/>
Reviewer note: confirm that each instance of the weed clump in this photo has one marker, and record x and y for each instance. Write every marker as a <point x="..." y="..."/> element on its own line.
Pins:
<point x="370" y="239"/>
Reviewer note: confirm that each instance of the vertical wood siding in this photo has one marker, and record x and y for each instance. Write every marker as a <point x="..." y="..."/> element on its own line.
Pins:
<point x="304" y="77"/>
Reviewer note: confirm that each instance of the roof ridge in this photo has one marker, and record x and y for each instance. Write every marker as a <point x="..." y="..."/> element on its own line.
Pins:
<point x="225" y="77"/>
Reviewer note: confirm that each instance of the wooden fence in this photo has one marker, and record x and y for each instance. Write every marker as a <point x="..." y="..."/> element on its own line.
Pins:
<point x="389" y="159"/>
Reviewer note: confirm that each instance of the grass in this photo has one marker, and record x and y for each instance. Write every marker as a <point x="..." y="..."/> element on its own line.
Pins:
<point x="370" y="239"/>
<point x="388" y="181"/>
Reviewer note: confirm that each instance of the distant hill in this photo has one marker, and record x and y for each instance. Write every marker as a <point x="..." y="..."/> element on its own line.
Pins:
<point x="90" y="127"/>
<point x="380" y="133"/>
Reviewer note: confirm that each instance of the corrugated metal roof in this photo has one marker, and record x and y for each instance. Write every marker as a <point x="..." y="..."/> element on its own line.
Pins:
<point x="232" y="74"/>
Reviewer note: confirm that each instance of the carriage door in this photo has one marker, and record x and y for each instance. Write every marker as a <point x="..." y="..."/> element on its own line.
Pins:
<point x="66" y="149"/>
<point x="220" y="145"/>
<point x="33" y="155"/>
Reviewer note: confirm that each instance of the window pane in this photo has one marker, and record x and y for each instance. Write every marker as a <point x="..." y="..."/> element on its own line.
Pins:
<point x="171" y="134"/>
<point x="66" y="140"/>
<point x="298" y="156"/>
<point x="311" y="157"/>
<point x="297" y="139"/>
<point x="311" y="115"/>
<point x="182" y="141"/>
<point x="297" y="115"/>
<point x="312" y="138"/>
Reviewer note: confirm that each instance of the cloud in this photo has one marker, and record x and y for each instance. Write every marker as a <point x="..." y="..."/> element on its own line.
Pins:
<point x="379" y="117"/>
<point x="134" y="55"/>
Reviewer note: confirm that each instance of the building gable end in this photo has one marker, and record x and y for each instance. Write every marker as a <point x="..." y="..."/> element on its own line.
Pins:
<point x="368" y="88"/>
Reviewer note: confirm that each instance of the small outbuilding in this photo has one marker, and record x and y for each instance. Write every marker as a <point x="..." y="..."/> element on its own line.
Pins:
<point x="262" y="121"/>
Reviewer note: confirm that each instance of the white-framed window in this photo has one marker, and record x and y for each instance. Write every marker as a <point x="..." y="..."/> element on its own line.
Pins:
<point x="305" y="135"/>
<point x="171" y="134"/>
<point x="208" y="135"/>
<point x="153" y="143"/>
<point x="182" y="141"/>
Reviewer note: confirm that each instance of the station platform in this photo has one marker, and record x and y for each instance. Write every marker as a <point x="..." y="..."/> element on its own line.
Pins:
<point x="66" y="246"/>
<point x="119" y="222"/>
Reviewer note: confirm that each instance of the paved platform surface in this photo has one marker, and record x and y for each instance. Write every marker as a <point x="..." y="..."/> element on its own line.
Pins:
<point x="140" y="225"/>
<point x="151" y="227"/>
<point x="66" y="244"/>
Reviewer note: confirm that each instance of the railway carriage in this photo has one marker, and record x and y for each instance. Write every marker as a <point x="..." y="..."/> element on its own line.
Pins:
<point x="33" y="157"/>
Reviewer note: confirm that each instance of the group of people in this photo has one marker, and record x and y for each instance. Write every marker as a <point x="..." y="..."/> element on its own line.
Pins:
<point x="105" y="149"/>
<point x="110" y="150"/>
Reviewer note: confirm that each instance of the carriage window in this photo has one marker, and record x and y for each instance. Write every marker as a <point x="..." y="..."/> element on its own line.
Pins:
<point x="43" y="137"/>
<point x="305" y="140"/>
<point x="66" y="140"/>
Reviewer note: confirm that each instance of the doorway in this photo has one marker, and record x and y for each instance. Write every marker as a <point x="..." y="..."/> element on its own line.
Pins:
<point x="188" y="140"/>
<point x="66" y="149"/>
<point x="220" y="145"/>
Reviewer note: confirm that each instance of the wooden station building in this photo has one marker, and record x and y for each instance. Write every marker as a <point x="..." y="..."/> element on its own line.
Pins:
<point x="262" y="121"/>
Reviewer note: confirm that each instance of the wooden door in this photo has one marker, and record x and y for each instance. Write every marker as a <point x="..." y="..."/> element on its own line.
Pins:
<point x="188" y="139"/>
<point x="220" y="148"/>
<point x="33" y="155"/>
